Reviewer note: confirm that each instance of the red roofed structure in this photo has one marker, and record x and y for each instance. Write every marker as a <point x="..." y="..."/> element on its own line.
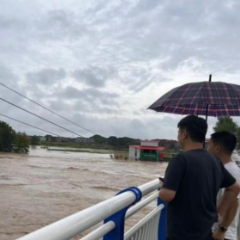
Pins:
<point x="146" y="151"/>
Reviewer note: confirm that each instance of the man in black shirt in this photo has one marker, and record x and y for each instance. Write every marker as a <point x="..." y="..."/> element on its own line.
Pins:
<point x="192" y="181"/>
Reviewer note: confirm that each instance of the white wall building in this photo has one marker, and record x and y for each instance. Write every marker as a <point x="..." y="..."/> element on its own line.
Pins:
<point x="134" y="153"/>
<point x="84" y="140"/>
<point x="42" y="139"/>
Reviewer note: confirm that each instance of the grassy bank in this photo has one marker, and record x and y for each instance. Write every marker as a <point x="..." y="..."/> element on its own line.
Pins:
<point x="84" y="145"/>
<point x="82" y="150"/>
<point x="119" y="154"/>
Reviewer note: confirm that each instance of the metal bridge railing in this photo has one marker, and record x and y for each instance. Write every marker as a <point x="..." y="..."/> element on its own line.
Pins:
<point x="113" y="212"/>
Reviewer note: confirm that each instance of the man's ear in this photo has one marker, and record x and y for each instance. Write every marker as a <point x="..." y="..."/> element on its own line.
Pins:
<point x="218" y="148"/>
<point x="184" y="133"/>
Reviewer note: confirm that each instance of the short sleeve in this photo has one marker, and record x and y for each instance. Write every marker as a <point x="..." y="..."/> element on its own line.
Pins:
<point x="174" y="173"/>
<point x="228" y="179"/>
<point x="234" y="171"/>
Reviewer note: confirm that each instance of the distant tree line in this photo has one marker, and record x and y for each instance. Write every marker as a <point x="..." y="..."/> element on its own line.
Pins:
<point x="122" y="142"/>
<point x="12" y="141"/>
<point x="35" y="140"/>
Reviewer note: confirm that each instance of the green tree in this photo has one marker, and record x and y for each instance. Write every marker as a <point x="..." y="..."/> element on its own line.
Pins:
<point x="99" y="139"/>
<point x="125" y="142"/>
<point x="35" y="140"/>
<point x="7" y="136"/>
<point x="226" y="124"/>
<point x="21" y="143"/>
<point x="113" y="141"/>
<point x="48" y="138"/>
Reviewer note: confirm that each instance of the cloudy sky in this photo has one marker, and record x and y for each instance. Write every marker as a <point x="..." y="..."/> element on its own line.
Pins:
<point x="102" y="63"/>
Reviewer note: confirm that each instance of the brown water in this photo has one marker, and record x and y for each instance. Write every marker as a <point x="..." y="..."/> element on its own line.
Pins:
<point x="45" y="186"/>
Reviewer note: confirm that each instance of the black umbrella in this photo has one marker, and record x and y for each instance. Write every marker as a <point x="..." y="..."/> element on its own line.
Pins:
<point x="215" y="99"/>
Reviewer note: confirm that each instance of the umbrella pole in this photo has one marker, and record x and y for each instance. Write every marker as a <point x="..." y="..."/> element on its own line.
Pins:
<point x="207" y="112"/>
<point x="207" y="108"/>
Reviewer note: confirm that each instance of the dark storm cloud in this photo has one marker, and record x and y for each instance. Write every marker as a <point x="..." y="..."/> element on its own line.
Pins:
<point x="90" y="95"/>
<point x="94" y="76"/>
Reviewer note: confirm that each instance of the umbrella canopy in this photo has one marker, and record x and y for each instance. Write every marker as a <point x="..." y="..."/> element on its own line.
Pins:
<point x="203" y="98"/>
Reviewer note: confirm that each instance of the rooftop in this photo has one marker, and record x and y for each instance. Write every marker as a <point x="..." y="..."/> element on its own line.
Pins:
<point x="148" y="147"/>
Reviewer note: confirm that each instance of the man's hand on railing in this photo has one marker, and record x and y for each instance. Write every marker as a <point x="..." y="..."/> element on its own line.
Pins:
<point x="218" y="235"/>
<point x="161" y="183"/>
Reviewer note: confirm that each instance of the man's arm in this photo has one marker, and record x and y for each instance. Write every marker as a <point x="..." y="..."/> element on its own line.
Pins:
<point x="173" y="178"/>
<point x="230" y="214"/>
<point x="167" y="195"/>
<point x="229" y="196"/>
<point x="227" y="209"/>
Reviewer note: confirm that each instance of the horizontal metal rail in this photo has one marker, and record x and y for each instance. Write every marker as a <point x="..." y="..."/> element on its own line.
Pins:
<point x="141" y="205"/>
<point x="100" y="232"/>
<point x="75" y="224"/>
<point x="106" y="228"/>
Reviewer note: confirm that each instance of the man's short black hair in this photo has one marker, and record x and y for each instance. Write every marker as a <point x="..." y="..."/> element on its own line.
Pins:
<point x="195" y="126"/>
<point x="226" y="139"/>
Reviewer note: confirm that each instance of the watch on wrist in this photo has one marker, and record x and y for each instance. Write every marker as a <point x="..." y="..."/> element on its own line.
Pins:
<point x="222" y="228"/>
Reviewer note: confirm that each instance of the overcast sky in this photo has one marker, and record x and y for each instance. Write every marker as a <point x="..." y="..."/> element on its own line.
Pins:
<point x="102" y="63"/>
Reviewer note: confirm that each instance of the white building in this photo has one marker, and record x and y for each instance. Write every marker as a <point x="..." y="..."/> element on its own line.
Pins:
<point x="84" y="140"/>
<point x="42" y="139"/>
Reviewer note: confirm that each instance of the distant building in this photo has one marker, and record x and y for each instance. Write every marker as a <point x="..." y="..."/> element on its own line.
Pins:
<point x="42" y="139"/>
<point x="146" y="151"/>
<point x="50" y="138"/>
<point x="65" y="139"/>
<point x="207" y="142"/>
<point x="84" y="140"/>
<point x="60" y="139"/>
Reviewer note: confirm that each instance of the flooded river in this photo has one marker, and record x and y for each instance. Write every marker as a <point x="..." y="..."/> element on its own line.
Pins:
<point x="45" y="186"/>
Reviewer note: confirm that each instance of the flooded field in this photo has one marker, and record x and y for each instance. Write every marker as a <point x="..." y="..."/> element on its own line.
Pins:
<point x="45" y="186"/>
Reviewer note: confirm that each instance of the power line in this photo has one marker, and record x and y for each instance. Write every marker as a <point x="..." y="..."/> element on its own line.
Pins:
<point x="40" y="117"/>
<point x="47" y="108"/>
<point x="28" y="125"/>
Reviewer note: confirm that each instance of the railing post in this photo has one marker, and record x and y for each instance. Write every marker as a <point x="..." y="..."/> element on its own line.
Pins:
<point x="162" y="227"/>
<point x="119" y="218"/>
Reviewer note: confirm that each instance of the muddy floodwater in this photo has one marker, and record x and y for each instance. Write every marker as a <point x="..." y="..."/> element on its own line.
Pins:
<point x="45" y="186"/>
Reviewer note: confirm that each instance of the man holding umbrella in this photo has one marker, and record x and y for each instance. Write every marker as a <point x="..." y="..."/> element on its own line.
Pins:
<point x="192" y="181"/>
